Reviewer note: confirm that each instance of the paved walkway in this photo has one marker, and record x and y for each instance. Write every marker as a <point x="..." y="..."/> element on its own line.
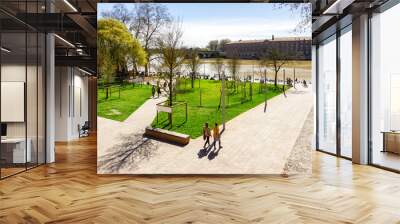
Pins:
<point x="110" y="131"/>
<point x="253" y="143"/>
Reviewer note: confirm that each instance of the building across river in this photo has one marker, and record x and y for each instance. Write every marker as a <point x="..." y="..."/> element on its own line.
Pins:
<point x="294" y="48"/>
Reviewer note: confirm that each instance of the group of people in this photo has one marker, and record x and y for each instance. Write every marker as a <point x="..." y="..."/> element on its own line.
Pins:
<point x="215" y="134"/>
<point x="154" y="89"/>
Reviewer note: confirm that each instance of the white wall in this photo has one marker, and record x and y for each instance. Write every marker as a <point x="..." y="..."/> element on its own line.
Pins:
<point x="314" y="89"/>
<point x="33" y="126"/>
<point x="71" y="102"/>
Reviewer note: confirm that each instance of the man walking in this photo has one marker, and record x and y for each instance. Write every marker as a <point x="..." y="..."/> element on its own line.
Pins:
<point x="206" y="135"/>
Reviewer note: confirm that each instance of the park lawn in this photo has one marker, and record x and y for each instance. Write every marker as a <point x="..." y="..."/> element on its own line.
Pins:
<point x="119" y="108"/>
<point x="208" y="112"/>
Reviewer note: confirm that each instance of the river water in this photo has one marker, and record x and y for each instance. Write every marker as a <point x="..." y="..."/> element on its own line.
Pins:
<point x="300" y="70"/>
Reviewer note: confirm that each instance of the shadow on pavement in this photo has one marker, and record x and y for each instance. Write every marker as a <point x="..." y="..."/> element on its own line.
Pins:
<point x="132" y="149"/>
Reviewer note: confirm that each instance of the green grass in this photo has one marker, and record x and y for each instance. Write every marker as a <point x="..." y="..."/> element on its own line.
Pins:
<point x="119" y="108"/>
<point x="208" y="112"/>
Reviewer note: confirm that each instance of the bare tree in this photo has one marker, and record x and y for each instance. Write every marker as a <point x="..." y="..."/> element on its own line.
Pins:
<point x="233" y="67"/>
<point x="219" y="66"/>
<point x="172" y="56"/>
<point x="222" y="43"/>
<point x="305" y="11"/>
<point x="275" y="60"/>
<point x="119" y="12"/>
<point x="212" y="45"/>
<point x="147" y="25"/>
<point x="193" y="64"/>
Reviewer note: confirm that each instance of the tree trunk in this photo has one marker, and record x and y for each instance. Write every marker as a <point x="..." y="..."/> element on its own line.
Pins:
<point x="276" y="79"/>
<point x="170" y="95"/>
<point x="170" y="89"/>
<point x="106" y="92"/>
<point x="147" y="65"/>
<point x="192" y="81"/>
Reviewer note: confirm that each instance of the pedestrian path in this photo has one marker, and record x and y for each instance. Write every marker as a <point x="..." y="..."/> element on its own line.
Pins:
<point x="253" y="143"/>
<point x="109" y="131"/>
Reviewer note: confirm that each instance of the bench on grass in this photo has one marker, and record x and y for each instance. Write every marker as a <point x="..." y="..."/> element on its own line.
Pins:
<point x="167" y="136"/>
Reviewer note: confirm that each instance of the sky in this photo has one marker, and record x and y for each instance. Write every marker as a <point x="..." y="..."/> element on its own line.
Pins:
<point x="202" y="22"/>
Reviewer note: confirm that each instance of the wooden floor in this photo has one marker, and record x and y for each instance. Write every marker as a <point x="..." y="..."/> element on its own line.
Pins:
<point x="69" y="191"/>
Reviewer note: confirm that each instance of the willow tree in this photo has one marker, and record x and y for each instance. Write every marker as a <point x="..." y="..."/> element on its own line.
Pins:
<point x="115" y="48"/>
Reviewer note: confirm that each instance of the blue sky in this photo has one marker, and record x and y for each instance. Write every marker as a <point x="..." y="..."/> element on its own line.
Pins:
<point x="203" y="22"/>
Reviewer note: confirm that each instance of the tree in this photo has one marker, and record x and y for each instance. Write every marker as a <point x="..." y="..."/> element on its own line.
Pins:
<point x="276" y="60"/>
<point x="222" y="43"/>
<point x="218" y="66"/>
<point x="119" y="12"/>
<point x="145" y="22"/>
<point x="212" y="45"/>
<point x="233" y="67"/>
<point x="172" y="56"/>
<point x="149" y="20"/>
<point x="193" y="64"/>
<point x="115" y="48"/>
<point x="305" y="11"/>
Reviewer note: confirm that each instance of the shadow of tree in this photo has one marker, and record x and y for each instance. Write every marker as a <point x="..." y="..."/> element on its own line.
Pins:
<point x="132" y="149"/>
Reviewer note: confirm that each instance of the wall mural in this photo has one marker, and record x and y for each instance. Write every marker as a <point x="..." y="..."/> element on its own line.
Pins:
<point x="204" y="88"/>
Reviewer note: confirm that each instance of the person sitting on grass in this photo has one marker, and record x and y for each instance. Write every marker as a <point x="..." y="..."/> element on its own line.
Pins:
<point x="206" y="135"/>
<point x="216" y="136"/>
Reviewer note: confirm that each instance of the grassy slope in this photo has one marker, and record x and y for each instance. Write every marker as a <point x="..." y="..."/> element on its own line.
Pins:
<point x="209" y="112"/>
<point x="131" y="99"/>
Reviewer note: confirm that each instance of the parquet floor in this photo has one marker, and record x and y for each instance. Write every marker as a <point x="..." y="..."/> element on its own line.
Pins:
<point x="69" y="191"/>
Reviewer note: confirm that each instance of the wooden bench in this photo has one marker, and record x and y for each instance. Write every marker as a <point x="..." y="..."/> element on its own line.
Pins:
<point x="168" y="136"/>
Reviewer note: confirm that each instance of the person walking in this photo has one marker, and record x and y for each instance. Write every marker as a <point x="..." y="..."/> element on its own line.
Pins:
<point x="158" y="92"/>
<point x="216" y="136"/>
<point x="153" y="90"/>
<point x="206" y="135"/>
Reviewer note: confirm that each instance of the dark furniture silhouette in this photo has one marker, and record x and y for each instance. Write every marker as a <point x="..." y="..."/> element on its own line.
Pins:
<point x="84" y="130"/>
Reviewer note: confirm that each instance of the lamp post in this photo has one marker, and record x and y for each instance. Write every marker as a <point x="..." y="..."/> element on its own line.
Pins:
<point x="294" y="77"/>
<point x="284" y="81"/>
<point x="223" y="101"/>
<point x="265" y="90"/>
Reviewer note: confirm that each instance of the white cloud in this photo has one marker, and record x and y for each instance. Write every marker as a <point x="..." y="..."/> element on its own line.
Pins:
<point x="198" y="33"/>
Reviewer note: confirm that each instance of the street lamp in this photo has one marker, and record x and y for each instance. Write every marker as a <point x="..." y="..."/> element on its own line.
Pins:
<point x="223" y="101"/>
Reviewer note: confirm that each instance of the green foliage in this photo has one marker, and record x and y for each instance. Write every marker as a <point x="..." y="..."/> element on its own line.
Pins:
<point x="122" y="102"/>
<point x="208" y="112"/>
<point x="115" y="47"/>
